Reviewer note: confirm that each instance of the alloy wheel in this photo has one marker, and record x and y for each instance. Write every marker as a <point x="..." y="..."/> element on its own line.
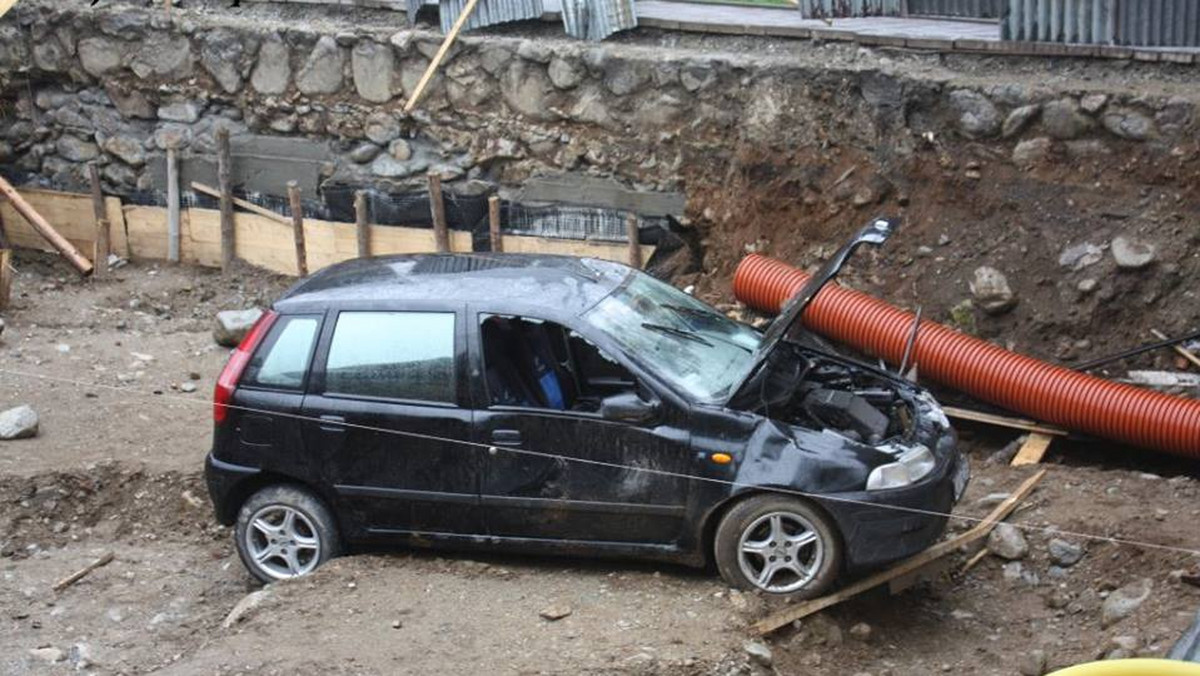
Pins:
<point x="780" y="552"/>
<point x="283" y="542"/>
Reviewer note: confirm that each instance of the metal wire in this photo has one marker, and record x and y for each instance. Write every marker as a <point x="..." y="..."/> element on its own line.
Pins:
<point x="1049" y="530"/>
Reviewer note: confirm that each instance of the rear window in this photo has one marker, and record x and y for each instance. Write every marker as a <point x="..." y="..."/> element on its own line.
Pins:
<point x="282" y="361"/>
<point x="395" y="355"/>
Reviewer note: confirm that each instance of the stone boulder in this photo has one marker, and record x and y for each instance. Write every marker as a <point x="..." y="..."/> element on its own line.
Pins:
<point x="222" y="55"/>
<point x="1128" y="124"/>
<point x="1131" y="253"/>
<point x="324" y="70"/>
<point x="374" y="68"/>
<point x="233" y="325"/>
<point x="1123" y="602"/>
<point x="977" y="115"/>
<point x="991" y="291"/>
<point x="1062" y="120"/>
<point x="18" y="423"/>
<point x="1007" y="542"/>
<point x="273" y="72"/>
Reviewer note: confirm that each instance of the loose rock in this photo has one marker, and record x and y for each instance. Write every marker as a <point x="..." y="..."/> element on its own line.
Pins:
<point x="249" y="603"/>
<point x="18" y="423"/>
<point x="991" y="291"/>
<point x="233" y="325"/>
<point x="1132" y="254"/>
<point x="978" y="117"/>
<point x="759" y="652"/>
<point x="555" y="613"/>
<point x="1065" y="554"/>
<point x="1033" y="663"/>
<point x="1123" y="602"/>
<point x="1007" y="542"/>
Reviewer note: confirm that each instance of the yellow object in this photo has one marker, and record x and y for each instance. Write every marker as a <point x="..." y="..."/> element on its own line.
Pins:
<point x="6" y="5"/>
<point x="721" y="458"/>
<point x="1132" y="668"/>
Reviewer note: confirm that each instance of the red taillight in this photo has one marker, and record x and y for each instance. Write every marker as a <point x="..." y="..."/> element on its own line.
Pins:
<point x="232" y="373"/>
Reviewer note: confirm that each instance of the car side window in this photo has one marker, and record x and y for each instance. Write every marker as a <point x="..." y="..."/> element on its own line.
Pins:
<point x="394" y="355"/>
<point x="282" y="362"/>
<point x="532" y="363"/>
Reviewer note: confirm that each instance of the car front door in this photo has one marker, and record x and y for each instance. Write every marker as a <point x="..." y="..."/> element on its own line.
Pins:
<point x="385" y="410"/>
<point x="557" y="468"/>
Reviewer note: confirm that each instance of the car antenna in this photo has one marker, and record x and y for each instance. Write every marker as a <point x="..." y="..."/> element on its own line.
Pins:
<point x="912" y="341"/>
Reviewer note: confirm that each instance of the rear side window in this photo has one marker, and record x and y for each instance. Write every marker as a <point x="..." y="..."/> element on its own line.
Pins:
<point x="282" y="361"/>
<point x="395" y="355"/>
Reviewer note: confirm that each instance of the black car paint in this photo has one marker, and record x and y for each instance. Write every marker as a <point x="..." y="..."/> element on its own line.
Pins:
<point x="544" y="481"/>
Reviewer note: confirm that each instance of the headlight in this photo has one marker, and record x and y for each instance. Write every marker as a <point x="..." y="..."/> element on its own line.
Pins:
<point x="913" y="465"/>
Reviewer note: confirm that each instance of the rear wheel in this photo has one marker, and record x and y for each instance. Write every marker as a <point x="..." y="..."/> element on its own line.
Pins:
<point x="779" y="545"/>
<point x="284" y="532"/>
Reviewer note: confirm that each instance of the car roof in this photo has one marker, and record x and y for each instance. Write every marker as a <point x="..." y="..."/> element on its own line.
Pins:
<point x="565" y="283"/>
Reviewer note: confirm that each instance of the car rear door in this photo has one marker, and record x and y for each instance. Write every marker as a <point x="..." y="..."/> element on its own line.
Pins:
<point x="386" y="412"/>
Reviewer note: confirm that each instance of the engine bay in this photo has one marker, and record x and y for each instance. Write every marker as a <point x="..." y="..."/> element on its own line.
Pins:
<point x="855" y="402"/>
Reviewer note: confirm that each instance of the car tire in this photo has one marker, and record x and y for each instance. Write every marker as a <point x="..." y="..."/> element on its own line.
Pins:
<point x="748" y="541"/>
<point x="285" y="531"/>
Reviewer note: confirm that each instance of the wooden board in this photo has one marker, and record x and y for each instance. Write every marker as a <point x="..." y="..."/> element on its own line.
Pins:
<point x="1033" y="450"/>
<point x="71" y="215"/>
<point x="790" y="614"/>
<point x="609" y="251"/>
<point x="1003" y="421"/>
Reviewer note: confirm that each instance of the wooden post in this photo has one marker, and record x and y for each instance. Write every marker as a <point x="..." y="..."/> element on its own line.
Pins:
<point x="440" y="55"/>
<point x="635" y="246"/>
<point x="60" y="243"/>
<point x="361" y="221"/>
<point x="172" y="205"/>
<point x="225" y="185"/>
<point x="102" y="249"/>
<point x="494" y="224"/>
<point x="437" y="207"/>
<point x="97" y="193"/>
<point x="298" y="227"/>
<point x="5" y="277"/>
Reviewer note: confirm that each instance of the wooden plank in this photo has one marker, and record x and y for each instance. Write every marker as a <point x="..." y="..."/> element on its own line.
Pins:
<point x="100" y="255"/>
<point x="43" y="228"/>
<point x="495" y="235"/>
<point x="118" y="239"/>
<point x="225" y="186"/>
<point x="1179" y="349"/>
<point x="242" y="204"/>
<point x="361" y="220"/>
<point x="790" y="614"/>
<point x="5" y="277"/>
<point x="1003" y="421"/>
<point x="437" y="209"/>
<point x="297" y="208"/>
<point x="436" y="62"/>
<point x="1033" y="450"/>
<point x="584" y="248"/>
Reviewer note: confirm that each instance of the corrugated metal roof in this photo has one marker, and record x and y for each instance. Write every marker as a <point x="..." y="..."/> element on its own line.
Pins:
<point x="598" y="19"/>
<point x="488" y="12"/>
<point x="830" y="9"/>
<point x="1134" y="23"/>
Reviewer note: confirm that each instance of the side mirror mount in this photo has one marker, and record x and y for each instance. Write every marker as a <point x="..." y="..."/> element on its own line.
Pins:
<point x="628" y="407"/>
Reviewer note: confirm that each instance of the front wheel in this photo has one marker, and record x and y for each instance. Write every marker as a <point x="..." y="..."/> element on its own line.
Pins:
<point x="779" y="545"/>
<point x="284" y="532"/>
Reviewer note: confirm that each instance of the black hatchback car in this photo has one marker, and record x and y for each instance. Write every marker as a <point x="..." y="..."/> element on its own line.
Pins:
<point x="564" y="405"/>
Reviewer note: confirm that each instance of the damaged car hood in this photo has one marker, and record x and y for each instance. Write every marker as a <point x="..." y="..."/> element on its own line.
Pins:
<point x="875" y="233"/>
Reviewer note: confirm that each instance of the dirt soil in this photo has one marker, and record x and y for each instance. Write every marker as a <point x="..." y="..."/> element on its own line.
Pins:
<point x="116" y="468"/>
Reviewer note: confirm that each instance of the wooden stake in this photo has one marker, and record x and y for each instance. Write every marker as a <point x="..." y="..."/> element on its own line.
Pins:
<point x="5" y="277"/>
<point x="76" y="577"/>
<point x="635" y="247"/>
<point x="439" y="56"/>
<point x="497" y="238"/>
<point x="437" y="208"/>
<point x="298" y="227"/>
<point x="172" y="205"/>
<point x="225" y="185"/>
<point x="1033" y="450"/>
<point x="248" y="206"/>
<point x="98" y="208"/>
<point x="60" y="243"/>
<point x="102" y="249"/>
<point x="790" y="614"/>
<point x="361" y="221"/>
<point x="1179" y="349"/>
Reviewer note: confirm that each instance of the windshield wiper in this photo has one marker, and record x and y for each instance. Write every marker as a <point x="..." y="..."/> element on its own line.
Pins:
<point x="689" y="311"/>
<point x="677" y="332"/>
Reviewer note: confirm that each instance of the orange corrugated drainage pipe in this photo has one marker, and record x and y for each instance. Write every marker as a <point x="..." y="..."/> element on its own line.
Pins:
<point x="1031" y="387"/>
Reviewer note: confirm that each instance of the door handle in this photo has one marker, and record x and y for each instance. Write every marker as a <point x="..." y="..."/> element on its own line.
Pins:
<point x="506" y="437"/>
<point x="333" y="423"/>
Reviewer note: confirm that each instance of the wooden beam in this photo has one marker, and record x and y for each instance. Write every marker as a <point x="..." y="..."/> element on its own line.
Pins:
<point x="1033" y="450"/>
<point x="225" y="185"/>
<point x="47" y="231"/>
<point x="98" y="206"/>
<point x="297" y="208"/>
<point x="1179" y="349"/>
<point x="792" y="613"/>
<point x="361" y="220"/>
<point x="439" y="56"/>
<point x="437" y="209"/>
<point x="1003" y="421"/>
<point x="172" y="205"/>
<point x="494" y="233"/>
<point x="5" y="277"/>
<point x="635" y="248"/>
<point x="102" y="249"/>
<point x="242" y="204"/>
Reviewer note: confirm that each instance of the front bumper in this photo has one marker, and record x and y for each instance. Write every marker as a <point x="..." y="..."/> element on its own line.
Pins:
<point x="879" y="527"/>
